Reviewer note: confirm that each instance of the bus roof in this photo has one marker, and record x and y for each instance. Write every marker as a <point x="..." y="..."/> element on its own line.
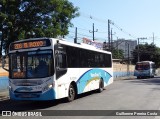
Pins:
<point x="81" y="45"/>
<point x="145" y="62"/>
<point x="63" y="41"/>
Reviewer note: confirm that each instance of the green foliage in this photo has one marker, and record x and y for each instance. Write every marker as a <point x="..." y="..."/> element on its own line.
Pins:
<point x="147" y="52"/>
<point x="44" y="18"/>
<point x="117" y="54"/>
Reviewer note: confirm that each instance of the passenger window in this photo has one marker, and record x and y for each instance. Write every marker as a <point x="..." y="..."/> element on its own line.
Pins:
<point x="61" y="60"/>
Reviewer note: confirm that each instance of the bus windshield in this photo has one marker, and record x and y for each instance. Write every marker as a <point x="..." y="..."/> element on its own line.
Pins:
<point x="142" y="66"/>
<point x="35" y="64"/>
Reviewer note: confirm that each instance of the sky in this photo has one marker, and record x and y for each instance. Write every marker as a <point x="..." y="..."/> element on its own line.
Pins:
<point x="131" y="19"/>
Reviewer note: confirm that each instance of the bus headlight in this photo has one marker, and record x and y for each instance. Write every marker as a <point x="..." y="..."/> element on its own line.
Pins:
<point x="10" y="88"/>
<point x="47" y="87"/>
<point x="50" y="86"/>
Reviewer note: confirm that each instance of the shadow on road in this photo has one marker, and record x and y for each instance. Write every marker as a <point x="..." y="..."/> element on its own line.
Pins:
<point x="11" y="105"/>
<point x="148" y="81"/>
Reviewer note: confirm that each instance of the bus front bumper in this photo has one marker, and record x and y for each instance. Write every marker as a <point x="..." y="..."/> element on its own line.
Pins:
<point x="48" y="95"/>
<point x="142" y="74"/>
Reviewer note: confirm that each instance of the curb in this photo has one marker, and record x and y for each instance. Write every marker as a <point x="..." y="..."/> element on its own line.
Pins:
<point x="4" y="98"/>
<point x="124" y="78"/>
<point x="4" y="95"/>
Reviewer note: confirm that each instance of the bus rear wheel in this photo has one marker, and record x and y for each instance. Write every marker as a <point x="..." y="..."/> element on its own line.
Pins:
<point x="101" y="86"/>
<point x="71" y="93"/>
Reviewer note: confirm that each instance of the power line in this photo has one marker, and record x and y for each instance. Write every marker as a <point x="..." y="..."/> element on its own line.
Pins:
<point x="105" y="21"/>
<point x="122" y="30"/>
<point x="84" y="35"/>
<point x="93" y="18"/>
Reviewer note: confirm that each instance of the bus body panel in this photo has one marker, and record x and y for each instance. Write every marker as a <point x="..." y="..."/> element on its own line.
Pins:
<point x="86" y="79"/>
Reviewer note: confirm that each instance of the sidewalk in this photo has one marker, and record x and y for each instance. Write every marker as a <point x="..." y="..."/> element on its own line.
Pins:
<point x="124" y="78"/>
<point x="4" y="94"/>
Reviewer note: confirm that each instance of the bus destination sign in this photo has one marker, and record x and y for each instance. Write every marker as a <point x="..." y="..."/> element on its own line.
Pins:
<point x="29" y="44"/>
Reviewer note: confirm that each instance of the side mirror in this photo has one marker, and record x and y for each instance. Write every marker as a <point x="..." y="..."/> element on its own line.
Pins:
<point x="58" y="68"/>
<point x="4" y="63"/>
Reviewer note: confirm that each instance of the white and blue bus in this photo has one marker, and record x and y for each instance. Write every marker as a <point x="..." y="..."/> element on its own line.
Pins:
<point x="145" y="69"/>
<point x="49" y="68"/>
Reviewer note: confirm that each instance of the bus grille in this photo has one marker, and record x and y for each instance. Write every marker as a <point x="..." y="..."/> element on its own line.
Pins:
<point x="28" y="94"/>
<point x="28" y="83"/>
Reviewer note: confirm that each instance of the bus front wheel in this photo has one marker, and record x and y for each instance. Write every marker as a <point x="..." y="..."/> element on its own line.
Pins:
<point x="71" y="93"/>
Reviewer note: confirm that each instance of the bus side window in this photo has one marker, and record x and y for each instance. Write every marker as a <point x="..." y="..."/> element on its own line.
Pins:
<point x="61" y="60"/>
<point x="61" y="64"/>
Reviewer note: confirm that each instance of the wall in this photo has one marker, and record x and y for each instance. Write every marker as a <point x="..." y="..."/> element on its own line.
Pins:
<point x="119" y="70"/>
<point x="122" y="70"/>
<point x="3" y="79"/>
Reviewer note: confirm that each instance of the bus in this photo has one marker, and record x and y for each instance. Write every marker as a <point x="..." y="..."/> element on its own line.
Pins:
<point x="145" y="69"/>
<point x="50" y="68"/>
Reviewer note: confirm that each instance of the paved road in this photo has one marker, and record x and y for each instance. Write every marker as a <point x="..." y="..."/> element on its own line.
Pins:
<point x="133" y="94"/>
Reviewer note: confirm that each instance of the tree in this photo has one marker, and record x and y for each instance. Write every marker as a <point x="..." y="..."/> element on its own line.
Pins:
<point x="117" y="54"/>
<point x="147" y="52"/>
<point x="43" y="18"/>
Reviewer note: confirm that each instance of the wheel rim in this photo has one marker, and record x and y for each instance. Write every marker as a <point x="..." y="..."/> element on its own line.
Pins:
<point x="71" y="93"/>
<point x="101" y="86"/>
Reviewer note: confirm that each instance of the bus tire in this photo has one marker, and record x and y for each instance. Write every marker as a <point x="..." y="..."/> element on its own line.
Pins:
<point x="71" y="93"/>
<point x="101" y="86"/>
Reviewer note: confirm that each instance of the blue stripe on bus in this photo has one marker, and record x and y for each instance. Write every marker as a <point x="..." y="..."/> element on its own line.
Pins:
<point x="92" y="74"/>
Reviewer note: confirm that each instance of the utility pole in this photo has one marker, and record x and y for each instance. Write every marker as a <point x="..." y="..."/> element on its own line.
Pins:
<point x="153" y="37"/>
<point x="111" y="41"/>
<point x="111" y="46"/>
<point x="93" y="31"/>
<point x="138" y="48"/>
<point x="108" y="34"/>
<point x="117" y="47"/>
<point x="75" y="39"/>
<point x="128" y="61"/>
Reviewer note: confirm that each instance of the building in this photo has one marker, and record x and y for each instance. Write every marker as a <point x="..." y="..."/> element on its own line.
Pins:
<point x="123" y="45"/>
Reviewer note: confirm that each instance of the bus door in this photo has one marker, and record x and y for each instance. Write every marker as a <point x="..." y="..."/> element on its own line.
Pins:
<point x="61" y="70"/>
<point x="153" y="69"/>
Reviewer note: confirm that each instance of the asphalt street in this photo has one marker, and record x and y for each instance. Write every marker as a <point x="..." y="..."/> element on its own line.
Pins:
<point x="130" y="94"/>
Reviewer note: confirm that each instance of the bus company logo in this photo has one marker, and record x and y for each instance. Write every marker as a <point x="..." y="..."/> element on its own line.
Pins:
<point x="6" y="113"/>
<point x="95" y="74"/>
